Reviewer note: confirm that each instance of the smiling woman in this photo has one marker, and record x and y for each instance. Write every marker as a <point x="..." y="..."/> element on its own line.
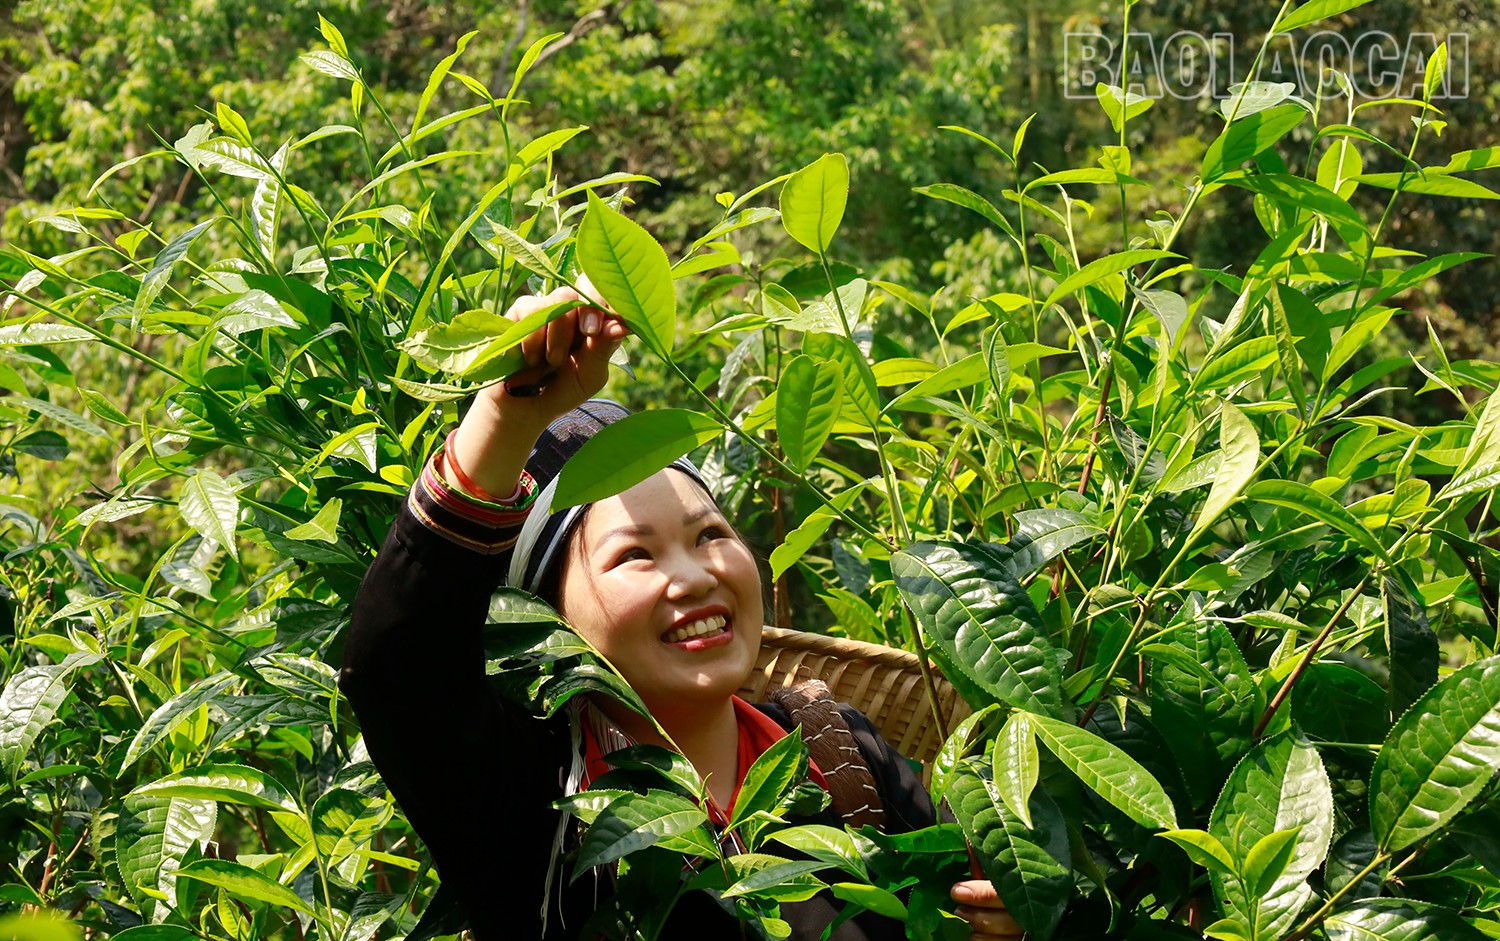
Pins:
<point x="659" y="582"/>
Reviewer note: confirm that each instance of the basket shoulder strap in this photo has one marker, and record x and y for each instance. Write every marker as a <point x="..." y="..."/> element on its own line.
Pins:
<point x="851" y="784"/>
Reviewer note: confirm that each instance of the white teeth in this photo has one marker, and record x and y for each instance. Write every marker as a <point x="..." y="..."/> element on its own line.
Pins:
<point x="700" y="628"/>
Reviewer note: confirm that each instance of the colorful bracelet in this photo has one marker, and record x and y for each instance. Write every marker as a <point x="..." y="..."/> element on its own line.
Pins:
<point x="467" y="482"/>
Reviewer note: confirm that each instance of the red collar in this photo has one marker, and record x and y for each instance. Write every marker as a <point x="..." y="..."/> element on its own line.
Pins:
<point x="757" y="732"/>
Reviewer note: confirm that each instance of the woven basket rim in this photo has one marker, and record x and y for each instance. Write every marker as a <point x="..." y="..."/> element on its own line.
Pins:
<point x="842" y="647"/>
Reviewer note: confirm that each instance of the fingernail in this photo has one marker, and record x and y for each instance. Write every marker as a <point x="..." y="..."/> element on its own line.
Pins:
<point x="962" y="893"/>
<point x="590" y="323"/>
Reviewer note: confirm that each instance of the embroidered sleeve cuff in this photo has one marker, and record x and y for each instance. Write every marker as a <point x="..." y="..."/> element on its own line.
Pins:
<point x="462" y="518"/>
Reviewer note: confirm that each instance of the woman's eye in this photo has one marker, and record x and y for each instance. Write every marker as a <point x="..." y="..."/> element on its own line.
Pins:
<point x="711" y="533"/>
<point x="631" y="555"/>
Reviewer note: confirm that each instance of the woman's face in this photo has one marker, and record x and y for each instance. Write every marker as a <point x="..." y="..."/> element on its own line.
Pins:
<point x="661" y="585"/>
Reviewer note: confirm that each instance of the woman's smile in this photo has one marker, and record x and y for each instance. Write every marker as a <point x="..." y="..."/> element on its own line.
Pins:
<point x="700" y="630"/>
<point x="662" y="585"/>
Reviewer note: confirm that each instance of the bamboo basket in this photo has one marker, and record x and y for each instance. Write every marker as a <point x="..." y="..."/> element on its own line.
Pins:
<point x="882" y="682"/>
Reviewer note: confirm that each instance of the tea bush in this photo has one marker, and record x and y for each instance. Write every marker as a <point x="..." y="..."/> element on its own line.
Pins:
<point x="1139" y="511"/>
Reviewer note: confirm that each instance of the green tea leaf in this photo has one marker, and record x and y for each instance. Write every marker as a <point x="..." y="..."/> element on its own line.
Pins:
<point x="1202" y="848"/>
<point x="1411" y="643"/>
<point x="1207" y="724"/>
<point x="1337" y="703"/>
<point x="1170" y="308"/>
<point x="1016" y="765"/>
<point x="1101" y="268"/>
<point x="171" y="713"/>
<point x="1306" y="500"/>
<point x="1315" y="10"/>
<point x="1052" y="530"/>
<point x="435" y="80"/>
<point x="1120" y="105"/>
<point x="528" y="255"/>
<point x="331" y="64"/>
<point x="244" y="883"/>
<point x="1437" y="67"/>
<point x="631" y="271"/>
<point x="832" y="845"/>
<point x="959" y="196"/>
<point x="29" y="702"/>
<point x="870" y="897"/>
<point x="1268" y="860"/>
<point x="801" y="539"/>
<point x="997" y="358"/>
<point x="1279" y="786"/>
<point x="1028" y="865"/>
<point x="323" y="527"/>
<point x="787" y="881"/>
<point x="1301" y="193"/>
<point x="1245" y="138"/>
<point x="861" y="395"/>
<point x="813" y="201"/>
<point x="1250" y="98"/>
<point x="103" y="407"/>
<point x="1439" y="755"/>
<point x="955" y="749"/>
<point x="152" y="836"/>
<point x="1109" y="772"/>
<point x="58" y="414"/>
<point x="770" y="778"/>
<point x="1484" y="446"/>
<point x="981" y="622"/>
<point x="1099" y="176"/>
<point x="971" y="370"/>
<point x="1398" y="920"/>
<point x="1430" y="183"/>
<point x="1239" y="456"/>
<point x="39" y="334"/>
<point x="235" y="784"/>
<point x="1236" y="364"/>
<point x="626" y="452"/>
<point x="634" y="822"/>
<point x="808" y="400"/>
<point x="209" y="505"/>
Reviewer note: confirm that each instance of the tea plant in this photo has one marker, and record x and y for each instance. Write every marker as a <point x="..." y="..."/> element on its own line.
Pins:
<point x="1138" y="511"/>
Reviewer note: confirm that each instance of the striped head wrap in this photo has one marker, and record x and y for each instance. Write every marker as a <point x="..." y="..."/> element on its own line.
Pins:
<point x="542" y="542"/>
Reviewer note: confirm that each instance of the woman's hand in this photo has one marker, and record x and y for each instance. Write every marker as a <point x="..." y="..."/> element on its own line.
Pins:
<point x="980" y="906"/>
<point x="567" y="363"/>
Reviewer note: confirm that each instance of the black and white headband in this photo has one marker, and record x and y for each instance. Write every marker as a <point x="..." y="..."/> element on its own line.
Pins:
<point x="543" y="536"/>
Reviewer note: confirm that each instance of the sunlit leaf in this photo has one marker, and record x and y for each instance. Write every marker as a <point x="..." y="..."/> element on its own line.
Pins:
<point x="1437" y="757"/>
<point x="626" y="452"/>
<point x="209" y="505"/>
<point x="808" y="399"/>
<point x="1279" y="786"/>
<point x="813" y="201"/>
<point x="630" y="270"/>
<point x="982" y="623"/>
<point x="244" y="883"/>
<point x="1108" y="771"/>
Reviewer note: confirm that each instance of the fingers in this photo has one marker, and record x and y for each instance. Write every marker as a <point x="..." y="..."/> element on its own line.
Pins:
<point x="980" y="906"/>
<point x="990" y="923"/>
<point x="534" y="346"/>
<point x="976" y="892"/>
<point x="559" y="337"/>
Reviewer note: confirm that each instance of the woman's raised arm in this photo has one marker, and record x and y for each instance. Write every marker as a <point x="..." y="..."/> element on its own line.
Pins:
<point x="463" y="766"/>
<point x="568" y="364"/>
